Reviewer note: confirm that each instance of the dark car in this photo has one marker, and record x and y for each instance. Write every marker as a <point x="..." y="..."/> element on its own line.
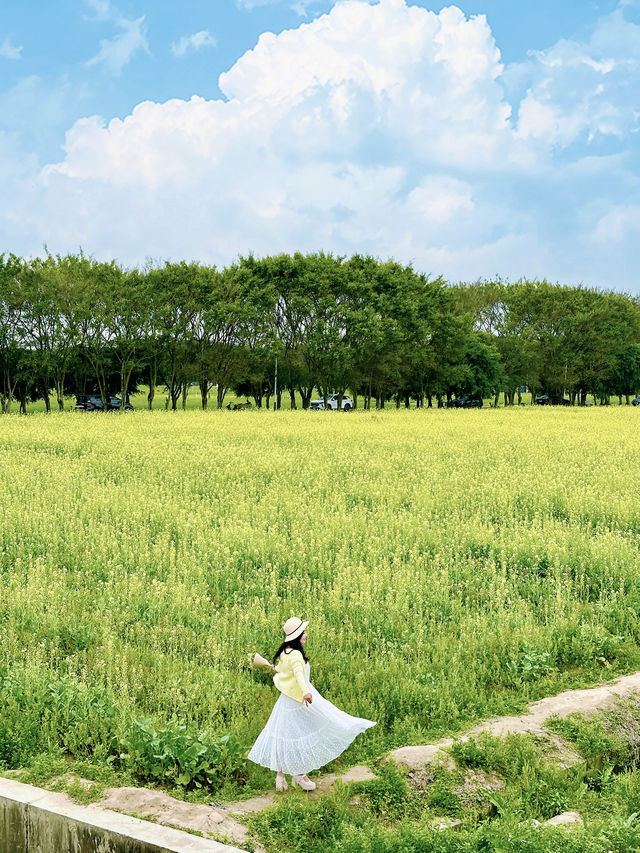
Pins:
<point x="93" y="403"/>
<point x="467" y="402"/>
<point x="636" y="401"/>
<point x="552" y="400"/>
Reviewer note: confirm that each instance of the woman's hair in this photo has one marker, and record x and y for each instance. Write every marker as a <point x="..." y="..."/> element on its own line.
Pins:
<point x="287" y="646"/>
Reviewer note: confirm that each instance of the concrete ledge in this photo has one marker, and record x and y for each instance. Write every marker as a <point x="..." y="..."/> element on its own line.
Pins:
<point x="33" y="820"/>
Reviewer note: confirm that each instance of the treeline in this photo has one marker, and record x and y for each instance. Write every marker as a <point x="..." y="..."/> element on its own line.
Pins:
<point x="72" y="325"/>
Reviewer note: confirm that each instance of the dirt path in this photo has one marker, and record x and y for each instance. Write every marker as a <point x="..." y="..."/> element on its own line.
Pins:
<point x="586" y="702"/>
<point x="222" y="820"/>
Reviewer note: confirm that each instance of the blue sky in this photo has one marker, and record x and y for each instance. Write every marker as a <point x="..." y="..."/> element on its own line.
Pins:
<point x="487" y="138"/>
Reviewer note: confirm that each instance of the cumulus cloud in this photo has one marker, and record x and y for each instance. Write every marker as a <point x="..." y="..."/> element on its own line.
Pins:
<point x="380" y="128"/>
<point x="196" y="41"/>
<point x="9" y="50"/>
<point x="118" y="51"/>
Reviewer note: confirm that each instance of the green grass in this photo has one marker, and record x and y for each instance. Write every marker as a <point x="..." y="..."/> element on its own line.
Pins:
<point x="193" y="401"/>
<point x="454" y="565"/>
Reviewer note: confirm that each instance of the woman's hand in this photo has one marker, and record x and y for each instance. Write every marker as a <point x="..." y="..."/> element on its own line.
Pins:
<point x="307" y="699"/>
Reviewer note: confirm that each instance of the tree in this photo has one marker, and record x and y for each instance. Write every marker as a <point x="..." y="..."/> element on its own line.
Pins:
<point x="96" y="311"/>
<point x="172" y="290"/>
<point x="130" y="326"/>
<point x="10" y="335"/>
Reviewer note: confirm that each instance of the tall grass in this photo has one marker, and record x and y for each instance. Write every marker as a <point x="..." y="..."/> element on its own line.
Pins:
<point x="452" y="564"/>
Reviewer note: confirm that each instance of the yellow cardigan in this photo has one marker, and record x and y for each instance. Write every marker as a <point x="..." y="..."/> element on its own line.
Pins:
<point x="290" y="677"/>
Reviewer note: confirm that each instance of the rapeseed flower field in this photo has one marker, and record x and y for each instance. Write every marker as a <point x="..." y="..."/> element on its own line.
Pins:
<point x="453" y="565"/>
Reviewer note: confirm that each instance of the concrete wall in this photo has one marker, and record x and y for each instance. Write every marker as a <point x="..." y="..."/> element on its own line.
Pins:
<point x="36" y="821"/>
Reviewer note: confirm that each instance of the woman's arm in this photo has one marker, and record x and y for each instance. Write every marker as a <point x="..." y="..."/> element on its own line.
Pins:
<point x="297" y="665"/>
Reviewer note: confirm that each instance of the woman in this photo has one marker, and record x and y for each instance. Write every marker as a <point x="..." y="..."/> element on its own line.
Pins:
<point x="304" y="731"/>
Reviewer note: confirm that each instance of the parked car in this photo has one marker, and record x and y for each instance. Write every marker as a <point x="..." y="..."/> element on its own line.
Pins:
<point x="93" y="403"/>
<point x="467" y="402"/>
<point x="552" y="400"/>
<point x="636" y="401"/>
<point x="332" y="403"/>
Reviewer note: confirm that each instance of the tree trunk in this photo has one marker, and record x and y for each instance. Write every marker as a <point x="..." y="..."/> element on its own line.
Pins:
<point x="185" y="394"/>
<point x="220" y="394"/>
<point x="153" y="379"/>
<point x="60" y="392"/>
<point x="305" y="394"/>
<point x="204" y="393"/>
<point x="125" y="375"/>
<point x="174" y="393"/>
<point x="169" y="390"/>
<point x="102" y="389"/>
<point x="429" y="401"/>
<point x="495" y="400"/>
<point x="355" y="399"/>
<point x="292" y="399"/>
<point x="268" y="399"/>
<point x="626" y="396"/>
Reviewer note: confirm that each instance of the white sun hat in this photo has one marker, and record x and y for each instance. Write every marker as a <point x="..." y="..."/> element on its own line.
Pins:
<point x="293" y="628"/>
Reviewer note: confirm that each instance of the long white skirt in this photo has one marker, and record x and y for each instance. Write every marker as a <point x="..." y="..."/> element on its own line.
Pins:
<point x="299" y="738"/>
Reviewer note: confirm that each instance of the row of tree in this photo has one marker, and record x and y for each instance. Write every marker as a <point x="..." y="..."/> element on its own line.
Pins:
<point x="73" y="325"/>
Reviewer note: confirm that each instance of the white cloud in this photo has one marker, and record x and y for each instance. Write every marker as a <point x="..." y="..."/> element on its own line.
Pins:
<point x="196" y="41"/>
<point x="584" y="90"/>
<point x="254" y="4"/>
<point x="9" y="50"/>
<point x="102" y="9"/>
<point x="118" y="51"/>
<point x="620" y="224"/>
<point x="378" y="128"/>
<point x="300" y="7"/>
<point x="439" y="198"/>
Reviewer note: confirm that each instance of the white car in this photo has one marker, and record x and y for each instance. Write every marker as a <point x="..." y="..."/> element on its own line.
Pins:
<point x="332" y="403"/>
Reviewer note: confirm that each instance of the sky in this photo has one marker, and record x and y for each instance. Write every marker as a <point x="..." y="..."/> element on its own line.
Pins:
<point x="488" y="138"/>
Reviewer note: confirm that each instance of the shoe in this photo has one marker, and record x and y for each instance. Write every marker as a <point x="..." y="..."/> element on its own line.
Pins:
<point x="304" y="782"/>
<point x="281" y="783"/>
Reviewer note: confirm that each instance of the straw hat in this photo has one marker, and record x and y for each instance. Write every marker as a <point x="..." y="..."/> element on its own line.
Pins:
<point x="293" y="628"/>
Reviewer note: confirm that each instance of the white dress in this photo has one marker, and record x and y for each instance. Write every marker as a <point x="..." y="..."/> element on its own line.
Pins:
<point x="298" y="738"/>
